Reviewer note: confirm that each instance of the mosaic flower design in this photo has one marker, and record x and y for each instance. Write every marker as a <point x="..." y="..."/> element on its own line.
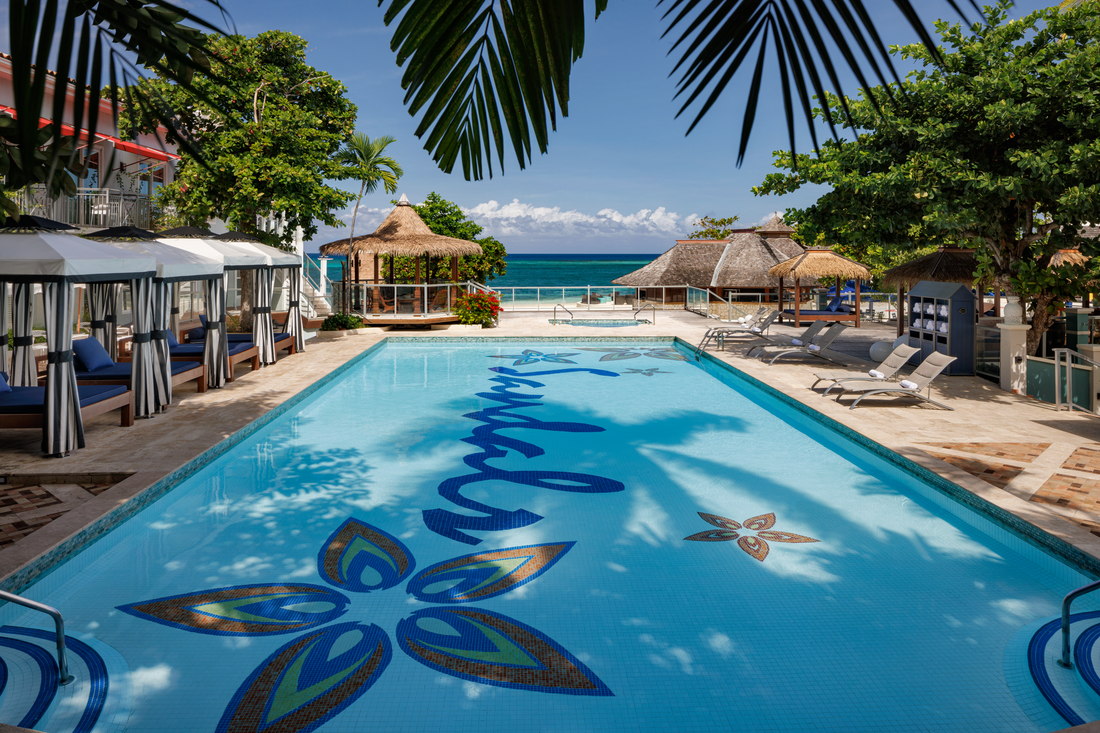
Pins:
<point x="645" y="372"/>
<point x="755" y="544"/>
<point x="533" y="357"/>
<point x="320" y="672"/>
<point x="618" y="353"/>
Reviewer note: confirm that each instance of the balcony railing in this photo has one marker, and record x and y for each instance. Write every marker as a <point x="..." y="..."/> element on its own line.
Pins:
<point x="88" y="207"/>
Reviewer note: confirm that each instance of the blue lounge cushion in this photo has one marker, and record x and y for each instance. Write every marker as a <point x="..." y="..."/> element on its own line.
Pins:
<point x="186" y="350"/>
<point x="241" y="337"/>
<point x="171" y="337"/>
<point x="834" y="304"/>
<point x="4" y="386"/>
<point x="32" y="400"/>
<point x="239" y="346"/>
<point x="844" y="309"/>
<point x="121" y="370"/>
<point x="178" y="367"/>
<point x="196" y="334"/>
<point x="90" y="355"/>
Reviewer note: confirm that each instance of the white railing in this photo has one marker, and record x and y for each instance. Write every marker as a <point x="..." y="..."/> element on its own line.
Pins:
<point x="88" y="207"/>
<point x="707" y="304"/>
<point x="382" y="300"/>
<point x="589" y="297"/>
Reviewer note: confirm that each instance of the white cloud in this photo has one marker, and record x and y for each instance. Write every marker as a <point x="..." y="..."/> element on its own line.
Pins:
<point x="520" y="219"/>
<point x="768" y="217"/>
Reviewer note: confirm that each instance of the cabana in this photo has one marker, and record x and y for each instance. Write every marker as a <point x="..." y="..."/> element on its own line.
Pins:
<point x="403" y="234"/>
<point x="820" y="262"/>
<point x="215" y="344"/>
<point x="33" y="250"/>
<point x="264" y="293"/>
<point x="174" y="265"/>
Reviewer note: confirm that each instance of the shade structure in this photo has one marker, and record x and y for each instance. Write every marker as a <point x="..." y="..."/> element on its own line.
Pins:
<point x="818" y="263"/>
<point x="121" y="233"/>
<point x="232" y="256"/>
<point x="403" y="233"/>
<point x="38" y="255"/>
<point x="946" y="265"/>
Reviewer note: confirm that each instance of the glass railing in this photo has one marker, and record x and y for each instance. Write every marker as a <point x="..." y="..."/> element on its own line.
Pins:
<point x="590" y="297"/>
<point x="385" y="300"/>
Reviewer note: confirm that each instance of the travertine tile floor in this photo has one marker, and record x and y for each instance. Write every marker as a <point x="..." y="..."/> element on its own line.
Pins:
<point x="1045" y="462"/>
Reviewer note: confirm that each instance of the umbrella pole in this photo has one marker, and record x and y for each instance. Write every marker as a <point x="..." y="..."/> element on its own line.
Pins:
<point x="859" y="305"/>
<point x="901" y="302"/>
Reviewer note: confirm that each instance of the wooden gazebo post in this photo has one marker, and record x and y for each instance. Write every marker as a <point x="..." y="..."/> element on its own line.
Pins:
<point x="859" y="309"/>
<point x="416" y="300"/>
<point x="797" y="300"/>
<point x="902" y="325"/>
<point x="780" y="298"/>
<point x="376" y="294"/>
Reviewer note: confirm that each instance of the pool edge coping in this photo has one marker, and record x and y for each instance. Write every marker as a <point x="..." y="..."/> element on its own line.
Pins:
<point x="39" y="566"/>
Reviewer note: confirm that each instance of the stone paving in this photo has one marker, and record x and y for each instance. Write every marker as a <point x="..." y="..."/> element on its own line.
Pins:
<point x="1013" y="451"/>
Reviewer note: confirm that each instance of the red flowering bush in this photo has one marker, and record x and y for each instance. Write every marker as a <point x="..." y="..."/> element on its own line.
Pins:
<point x="477" y="308"/>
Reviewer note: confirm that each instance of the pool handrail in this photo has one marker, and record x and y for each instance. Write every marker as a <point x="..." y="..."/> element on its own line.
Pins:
<point x="63" y="676"/>
<point x="554" y="316"/>
<point x="1069" y="599"/>
<point x="644" y="306"/>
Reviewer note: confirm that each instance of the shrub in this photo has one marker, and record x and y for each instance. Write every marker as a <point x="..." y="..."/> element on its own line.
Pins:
<point x="341" y="322"/>
<point x="477" y="308"/>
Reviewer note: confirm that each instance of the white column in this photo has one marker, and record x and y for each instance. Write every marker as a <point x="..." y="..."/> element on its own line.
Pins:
<point x="1014" y="357"/>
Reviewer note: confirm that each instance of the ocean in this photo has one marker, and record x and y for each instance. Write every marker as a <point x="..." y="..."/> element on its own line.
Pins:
<point x="528" y="270"/>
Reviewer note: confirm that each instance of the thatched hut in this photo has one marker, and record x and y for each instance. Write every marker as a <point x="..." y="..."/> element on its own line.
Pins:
<point x="820" y="263"/>
<point x="739" y="262"/>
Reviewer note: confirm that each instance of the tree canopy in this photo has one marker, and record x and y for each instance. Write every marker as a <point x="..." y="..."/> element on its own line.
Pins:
<point x="269" y="126"/>
<point x="710" y="227"/>
<point x="994" y="143"/>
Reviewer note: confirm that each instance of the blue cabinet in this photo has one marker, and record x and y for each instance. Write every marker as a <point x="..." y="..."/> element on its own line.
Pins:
<point x="942" y="317"/>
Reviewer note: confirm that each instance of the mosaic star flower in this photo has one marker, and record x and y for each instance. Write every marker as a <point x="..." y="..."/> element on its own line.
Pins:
<point x="322" y="671"/>
<point x="618" y="353"/>
<point x="646" y="372"/>
<point x="532" y="357"/>
<point x="756" y="546"/>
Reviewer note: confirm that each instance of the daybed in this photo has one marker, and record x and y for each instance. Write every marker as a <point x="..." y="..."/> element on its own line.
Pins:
<point x="24" y="407"/>
<point x="94" y="366"/>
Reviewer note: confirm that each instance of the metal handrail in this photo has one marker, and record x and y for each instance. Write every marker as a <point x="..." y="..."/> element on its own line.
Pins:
<point x="63" y="676"/>
<point x="554" y="316"/>
<point x="644" y="306"/>
<point x="1070" y="355"/>
<point x="1073" y="595"/>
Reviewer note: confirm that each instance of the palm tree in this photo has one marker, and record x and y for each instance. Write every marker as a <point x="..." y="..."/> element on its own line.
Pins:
<point x="367" y="163"/>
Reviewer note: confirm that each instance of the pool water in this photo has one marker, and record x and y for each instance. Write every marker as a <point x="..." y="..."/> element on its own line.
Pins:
<point x="546" y="536"/>
<point x="601" y="322"/>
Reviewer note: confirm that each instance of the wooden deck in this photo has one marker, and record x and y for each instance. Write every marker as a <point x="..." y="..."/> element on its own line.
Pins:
<point x="407" y="319"/>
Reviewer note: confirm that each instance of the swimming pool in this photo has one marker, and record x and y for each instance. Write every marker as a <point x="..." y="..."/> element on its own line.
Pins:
<point x="605" y="322"/>
<point x="552" y="536"/>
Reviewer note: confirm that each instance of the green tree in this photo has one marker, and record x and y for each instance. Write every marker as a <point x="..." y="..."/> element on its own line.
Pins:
<point x="712" y="228"/>
<point x="367" y="163"/>
<point x="994" y="143"/>
<point x="445" y="218"/>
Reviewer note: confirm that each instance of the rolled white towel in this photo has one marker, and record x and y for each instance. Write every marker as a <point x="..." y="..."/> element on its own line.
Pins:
<point x="929" y="308"/>
<point x="755" y="329"/>
<point x="942" y="328"/>
<point x="929" y="325"/>
<point x="876" y="374"/>
<point x="814" y="347"/>
<point x="908" y="385"/>
<point x="943" y="310"/>
<point x="796" y="342"/>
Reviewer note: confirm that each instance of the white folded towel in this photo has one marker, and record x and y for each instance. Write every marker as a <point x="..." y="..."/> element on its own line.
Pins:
<point x="908" y="385"/>
<point x="814" y="347"/>
<point x="942" y="328"/>
<point x="876" y="374"/>
<point x="796" y="342"/>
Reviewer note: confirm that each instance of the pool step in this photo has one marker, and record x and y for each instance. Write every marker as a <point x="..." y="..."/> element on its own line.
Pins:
<point x="1073" y="693"/>
<point x="29" y="694"/>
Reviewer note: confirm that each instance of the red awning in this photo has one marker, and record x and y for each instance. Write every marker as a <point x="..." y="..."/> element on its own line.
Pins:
<point x="129" y="147"/>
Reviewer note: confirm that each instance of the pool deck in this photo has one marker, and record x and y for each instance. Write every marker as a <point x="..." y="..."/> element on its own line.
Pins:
<point x="1041" y="465"/>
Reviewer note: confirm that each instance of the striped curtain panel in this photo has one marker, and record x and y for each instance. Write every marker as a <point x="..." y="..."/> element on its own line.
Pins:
<point x="263" y="335"/>
<point x="142" y="377"/>
<point x="174" y="321"/>
<point x="63" y="431"/>
<point x="162" y="358"/>
<point x="24" y="373"/>
<point x="103" y="308"/>
<point x="215" y="351"/>
<point x="4" y="330"/>
<point x="293" y="322"/>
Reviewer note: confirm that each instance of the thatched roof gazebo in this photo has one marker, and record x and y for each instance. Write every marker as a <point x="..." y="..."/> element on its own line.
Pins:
<point x="946" y="265"/>
<point x="820" y="263"/>
<point x="402" y="234"/>
<point x="690" y="262"/>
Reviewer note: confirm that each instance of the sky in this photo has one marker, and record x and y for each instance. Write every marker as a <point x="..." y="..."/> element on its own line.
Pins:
<point x="619" y="176"/>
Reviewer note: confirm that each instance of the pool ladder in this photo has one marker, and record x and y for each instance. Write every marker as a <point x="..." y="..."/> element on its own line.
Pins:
<point x="1065" y="661"/>
<point x="63" y="676"/>
<point x="554" y="317"/>
<point x="644" y="306"/>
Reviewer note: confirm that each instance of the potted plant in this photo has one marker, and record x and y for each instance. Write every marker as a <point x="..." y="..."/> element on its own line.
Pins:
<point x="478" y="309"/>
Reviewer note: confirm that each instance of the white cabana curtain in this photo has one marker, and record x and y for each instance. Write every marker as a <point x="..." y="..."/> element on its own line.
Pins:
<point x="103" y="308"/>
<point x="262" y="333"/>
<point x="142" y="377"/>
<point x="23" y="370"/>
<point x="174" y="323"/>
<point x="64" y="429"/>
<point x="162" y="360"/>
<point x="4" y="329"/>
<point x="215" y="351"/>
<point x="293" y="322"/>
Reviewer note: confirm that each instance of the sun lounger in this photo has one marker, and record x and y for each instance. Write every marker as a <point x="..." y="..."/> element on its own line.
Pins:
<point x="238" y="352"/>
<point x="282" y="340"/>
<point x="753" y="326"/>
<point x="919" y="380"/>
<point x="806" y="337"/>
<point x="24" y="407"/>
<point x="897" y="359"/>
<point x="814" y="348"/>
